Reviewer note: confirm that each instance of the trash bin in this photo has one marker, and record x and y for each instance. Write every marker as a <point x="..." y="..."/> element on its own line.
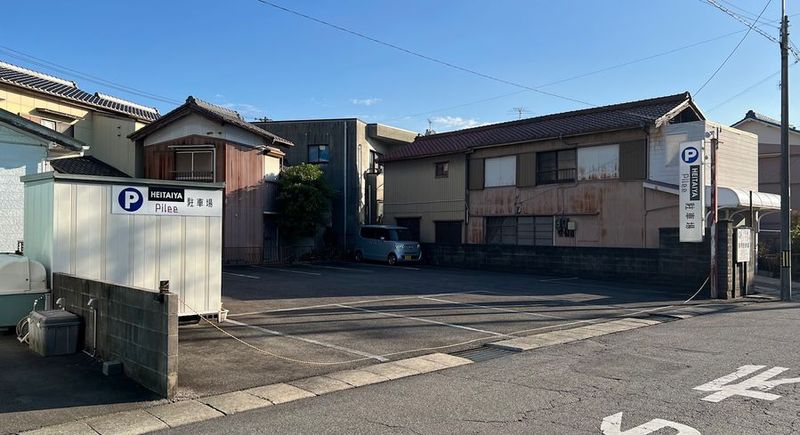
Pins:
<point x="54" y="332"/>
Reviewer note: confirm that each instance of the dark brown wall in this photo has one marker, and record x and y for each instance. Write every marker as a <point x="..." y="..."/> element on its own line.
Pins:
<point x="241" y="168"/>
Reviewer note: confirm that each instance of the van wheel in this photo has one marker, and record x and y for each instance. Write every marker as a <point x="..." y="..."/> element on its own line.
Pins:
<point x="392" y="259"/>
<point x="359" y="257"/>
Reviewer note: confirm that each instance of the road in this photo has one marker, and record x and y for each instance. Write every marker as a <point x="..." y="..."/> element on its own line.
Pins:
<point x="649" y="375"/>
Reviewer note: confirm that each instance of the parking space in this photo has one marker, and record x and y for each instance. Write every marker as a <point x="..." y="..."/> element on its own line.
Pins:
<point x="291" y="322"/>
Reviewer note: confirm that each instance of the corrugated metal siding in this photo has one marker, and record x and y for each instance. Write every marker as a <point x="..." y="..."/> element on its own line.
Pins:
<point x="633" y="160"/>
<point x="71" y="230"/>
<point x="244" y="205"/>
<point x="526" y="170"/>
<point x="476" y="174"/>
<point x="412" y="190"/>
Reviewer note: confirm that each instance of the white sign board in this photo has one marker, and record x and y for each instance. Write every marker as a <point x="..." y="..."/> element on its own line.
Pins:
<point x="691" y="211"/>
<point x="165" y="201"/>
<point x="744" y="244"/>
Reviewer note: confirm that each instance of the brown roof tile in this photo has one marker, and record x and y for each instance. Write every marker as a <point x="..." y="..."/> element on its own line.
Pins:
<point x="606" y="118"/>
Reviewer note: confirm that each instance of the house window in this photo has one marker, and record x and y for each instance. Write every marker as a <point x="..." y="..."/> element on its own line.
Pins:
<point x="521" y="230"/>
<point x="52" y="125"/>
<point x="442" y="169"/>
<point x="318" y="154"/>
<point x="448" y="232"/>
<point x="194" y="165"/>
<point x="556" y="167"/>
<point x="500" y="171"/>
<point x="598" y="162"/>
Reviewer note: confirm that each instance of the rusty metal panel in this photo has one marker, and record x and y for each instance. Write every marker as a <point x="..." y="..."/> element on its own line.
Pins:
<point x="633" y="160"/>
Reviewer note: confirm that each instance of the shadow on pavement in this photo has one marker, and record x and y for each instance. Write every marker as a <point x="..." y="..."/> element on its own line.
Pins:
<point x="38" y="391"/>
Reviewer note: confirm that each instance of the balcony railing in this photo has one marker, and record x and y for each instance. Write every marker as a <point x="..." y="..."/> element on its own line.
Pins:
<point x="568" y="175"/>
<point x="207" y="176"/>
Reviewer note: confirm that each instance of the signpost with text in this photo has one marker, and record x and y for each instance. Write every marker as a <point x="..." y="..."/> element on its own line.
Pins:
<point x="691" y="188"/>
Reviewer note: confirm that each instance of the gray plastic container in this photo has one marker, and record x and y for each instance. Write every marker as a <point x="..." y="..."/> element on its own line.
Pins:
<point x="54" y="332"/>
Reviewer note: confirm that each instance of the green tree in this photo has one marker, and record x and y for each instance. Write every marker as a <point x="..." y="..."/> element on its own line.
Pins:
<point x="303" y="200"/>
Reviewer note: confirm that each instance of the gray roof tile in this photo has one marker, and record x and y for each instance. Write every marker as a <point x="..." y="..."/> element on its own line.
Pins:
<point x="57" y="87"/>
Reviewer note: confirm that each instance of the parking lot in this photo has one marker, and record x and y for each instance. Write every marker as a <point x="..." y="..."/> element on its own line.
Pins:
<point x="291" y="322"/>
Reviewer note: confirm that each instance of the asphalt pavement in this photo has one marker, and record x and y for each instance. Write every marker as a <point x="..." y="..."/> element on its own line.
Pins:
<point x="735" y="371"/>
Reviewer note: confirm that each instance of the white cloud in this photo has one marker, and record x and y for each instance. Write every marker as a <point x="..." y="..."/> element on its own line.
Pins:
<point x="455" y="122"/>
<point x="365" y="101"/>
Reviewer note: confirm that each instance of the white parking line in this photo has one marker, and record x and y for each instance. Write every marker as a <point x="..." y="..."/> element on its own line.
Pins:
<point x="390" y="267"/>
<point x="241" y="275"/>
<point x="419" y="319"/>
<point x="363" y="301"/>
<point x="504" y="310"/>
<point x="288" y="270"/>
<point x="341" y="268"/>
<point x="308" y="340"/>
<point x="559" y="279"/>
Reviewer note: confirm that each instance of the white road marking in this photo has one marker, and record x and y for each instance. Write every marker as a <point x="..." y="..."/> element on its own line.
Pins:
<point x="241" y="275"/>
<point x="419" y="319"/>
<point x="288" y="270"/>
<point x="559" y="279"/>
<point x="363" y="301"/>
<point x="341" y="268"/>
<point x="504" y="310"/>
<point x="612" y="425"/>
<point x="390" y="267"/>
<point x="761" y="382"/>
<point x="308" y="340"/>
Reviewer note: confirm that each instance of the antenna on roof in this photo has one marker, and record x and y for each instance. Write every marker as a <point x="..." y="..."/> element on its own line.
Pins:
<point x="520" y="111"/>
<point x="430" y="129"/>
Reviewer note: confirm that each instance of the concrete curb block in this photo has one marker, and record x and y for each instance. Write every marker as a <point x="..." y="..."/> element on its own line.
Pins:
<point x="193" y="411"/>
<point x="531" y="342"/>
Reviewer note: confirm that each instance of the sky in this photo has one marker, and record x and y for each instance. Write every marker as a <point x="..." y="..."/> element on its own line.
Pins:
<point x="266" y="62"/>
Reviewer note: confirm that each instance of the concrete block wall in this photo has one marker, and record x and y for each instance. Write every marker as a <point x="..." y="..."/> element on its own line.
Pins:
<point x="135" y="326"/>
<point x="680" y="266"/>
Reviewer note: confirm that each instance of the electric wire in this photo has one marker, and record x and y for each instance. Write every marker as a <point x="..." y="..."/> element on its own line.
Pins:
<point x="744" y="91"/>
<point x="85" y="76"/>
<point x="714" y="74"/>
<point x="423" y="56"/>
<point x="575" y="77"/>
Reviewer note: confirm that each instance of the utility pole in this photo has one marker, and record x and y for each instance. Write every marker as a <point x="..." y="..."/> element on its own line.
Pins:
<point x="786" y="218"/>
<point x="713" y="278"/>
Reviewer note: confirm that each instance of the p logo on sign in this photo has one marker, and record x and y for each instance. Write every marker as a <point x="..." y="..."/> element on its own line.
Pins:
<point x="130" y="199"/>
<point x="689" y="155"/>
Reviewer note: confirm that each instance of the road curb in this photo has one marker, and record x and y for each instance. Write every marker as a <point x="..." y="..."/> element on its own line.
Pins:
<point x="193" y="411"/>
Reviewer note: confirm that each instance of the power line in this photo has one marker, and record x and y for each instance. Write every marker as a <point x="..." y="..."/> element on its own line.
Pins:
<point x="84" y="76"/>
<point x="422" y="56"/>
<point x="575" y="77"/>
<point x="732" y="51"/>
<point x="751" y="15"/>
<point x="744" y="91"/>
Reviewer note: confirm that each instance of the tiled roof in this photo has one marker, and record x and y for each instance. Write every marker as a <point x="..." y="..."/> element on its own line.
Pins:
<point x="752" y="114"/>
<point x="606" y="118"/>
<point x="86" y="165"/>
<point x="68" y="90"/>
<point x="41" y="131"/>
<point x="212" y="111"/>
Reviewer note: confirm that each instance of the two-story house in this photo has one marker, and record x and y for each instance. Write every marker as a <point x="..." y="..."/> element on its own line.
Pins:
<point x="768" y="131"/>
<point x="348" y="151"/>
<point x="101" y="121"/>
<point x="604" y="177"/>
<point x="199" y="141"/>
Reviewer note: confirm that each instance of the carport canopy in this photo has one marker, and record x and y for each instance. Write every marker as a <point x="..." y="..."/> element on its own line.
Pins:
<point x="733" y="198"/>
